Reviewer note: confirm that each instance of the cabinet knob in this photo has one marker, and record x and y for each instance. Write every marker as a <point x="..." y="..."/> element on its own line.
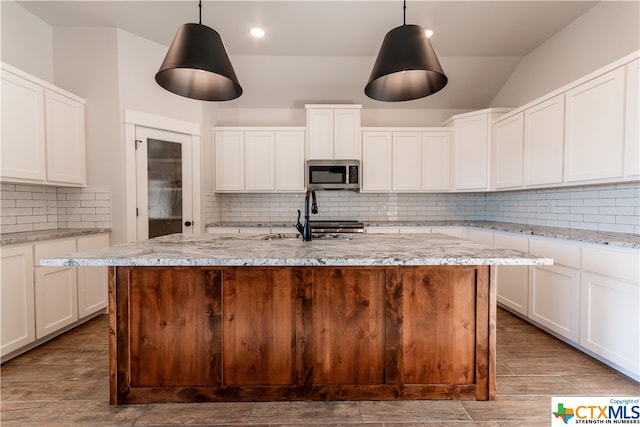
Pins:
<point x="187" y="223"/>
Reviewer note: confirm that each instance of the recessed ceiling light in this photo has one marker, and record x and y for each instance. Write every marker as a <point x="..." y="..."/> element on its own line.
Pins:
<point x="257" y="32"/>
<point x="429" y="33"/>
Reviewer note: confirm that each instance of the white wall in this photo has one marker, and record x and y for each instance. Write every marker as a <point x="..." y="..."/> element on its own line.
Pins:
<point x="77" y="51"/>
<point x="605" y="33"/>
<point x="26" y="41"/>
<point x="138" y="63"/>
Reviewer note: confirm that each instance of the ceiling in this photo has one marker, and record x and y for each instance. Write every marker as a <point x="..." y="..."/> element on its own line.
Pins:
<point x="323" y="51"/>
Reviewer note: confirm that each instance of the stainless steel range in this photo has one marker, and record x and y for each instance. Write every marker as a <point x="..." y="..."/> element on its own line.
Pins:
<point x="336" y="226"/>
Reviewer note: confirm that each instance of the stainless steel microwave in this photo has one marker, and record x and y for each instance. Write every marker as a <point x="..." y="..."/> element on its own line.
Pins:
<point x="333" y="174"/>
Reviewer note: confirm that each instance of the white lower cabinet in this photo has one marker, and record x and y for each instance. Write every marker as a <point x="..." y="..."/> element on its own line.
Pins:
<point x="610" y="305"/>
<point x="56" y="292"/>
<point x="610" y="320"/>
<point x="92" y="281"/>
<point x="513" y="280"/>
<point x="38" y="302"/>
<point x="16" y="298"/>
<point x="554" y="290"/>
<point x="56" y="288"/>
<point x="554" y="297"/>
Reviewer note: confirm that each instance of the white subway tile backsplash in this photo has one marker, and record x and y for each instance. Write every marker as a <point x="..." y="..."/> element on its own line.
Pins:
<point x="605" y="208"/>
<point x="32" y="207"/>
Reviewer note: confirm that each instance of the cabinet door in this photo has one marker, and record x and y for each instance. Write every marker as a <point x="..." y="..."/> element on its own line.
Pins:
<point x="554" y="299"/>
<point x="320" y="133"/>
<point x="92" y="281"/>
<point x="346" y="135"/>
<point x="544" y="142"/>
<point x="16" y="298"/>
<point x="259" y="161"/>
<point x="610" y="320"/>
<point x="229" y="153"/>
<point x="508" y="152"/>
<point x="22" y="148"/>
<point x="376" y="161"/>
<point x="632" y="128"/>
<point x="436" y="161"/>
<point x="56" y="299"/>
<point x="513" y="280"/>
<point x="56" y="290"/>
<point x="471" y="153"/>
<point x="289" y="161"/>
<point x="594" y="128"/>
<point x="407" y="161"/>
<point x="65" y="139"/>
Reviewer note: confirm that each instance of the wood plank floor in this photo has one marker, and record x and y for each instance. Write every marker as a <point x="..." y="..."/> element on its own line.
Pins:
<point x="65" y="383"/>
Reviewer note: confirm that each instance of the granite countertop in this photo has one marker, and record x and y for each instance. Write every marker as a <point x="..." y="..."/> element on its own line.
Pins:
<point x="58" y="233"/>
<point x="597" y="237"/>
<point x="236" y="250"/>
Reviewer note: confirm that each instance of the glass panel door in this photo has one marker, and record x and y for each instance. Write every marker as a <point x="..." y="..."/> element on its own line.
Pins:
<point x="164" y="173"/>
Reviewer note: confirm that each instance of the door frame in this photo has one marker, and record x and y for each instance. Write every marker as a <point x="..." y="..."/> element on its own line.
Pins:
<point x="140" y="119"/>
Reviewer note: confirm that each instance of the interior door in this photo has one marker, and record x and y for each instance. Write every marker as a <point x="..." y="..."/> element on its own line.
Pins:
<point x="164" y="192"/>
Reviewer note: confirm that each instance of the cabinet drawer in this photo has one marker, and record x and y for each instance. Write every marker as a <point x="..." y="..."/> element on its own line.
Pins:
<point x="624" y="265"/>
<point x="52" y="249"/>
<point x="562" y="253"/>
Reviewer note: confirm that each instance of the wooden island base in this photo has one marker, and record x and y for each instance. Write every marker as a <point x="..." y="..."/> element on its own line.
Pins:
<point x="206" y="334"/>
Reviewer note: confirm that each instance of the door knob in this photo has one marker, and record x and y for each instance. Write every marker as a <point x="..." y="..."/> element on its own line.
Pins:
<point x="187" y="223"/>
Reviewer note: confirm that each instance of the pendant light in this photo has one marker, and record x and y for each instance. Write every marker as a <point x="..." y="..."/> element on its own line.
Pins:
<point x="407" y="66"/>
<point x="197" y="65"/>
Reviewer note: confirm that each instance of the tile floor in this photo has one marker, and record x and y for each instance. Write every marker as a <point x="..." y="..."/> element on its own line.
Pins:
<point x="65" y="383"/>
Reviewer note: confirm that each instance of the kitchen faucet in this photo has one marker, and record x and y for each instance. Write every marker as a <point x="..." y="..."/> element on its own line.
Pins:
<point x="305" y="231"/>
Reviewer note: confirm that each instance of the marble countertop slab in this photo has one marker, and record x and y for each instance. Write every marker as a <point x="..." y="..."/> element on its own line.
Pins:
<point x="597" y="237"/>
<point x="361" y="250"/>
<point x="40" y="235"/>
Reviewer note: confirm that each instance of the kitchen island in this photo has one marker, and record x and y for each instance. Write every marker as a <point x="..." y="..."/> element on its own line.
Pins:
<point x="197" y="318"/>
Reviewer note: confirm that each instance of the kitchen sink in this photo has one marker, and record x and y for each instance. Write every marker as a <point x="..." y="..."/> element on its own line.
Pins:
<point x="295" y="236"/>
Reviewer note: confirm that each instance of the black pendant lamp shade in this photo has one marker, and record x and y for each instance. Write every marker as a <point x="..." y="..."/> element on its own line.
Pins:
<point x="197" y="66"/>
<point x="406" y="68"/>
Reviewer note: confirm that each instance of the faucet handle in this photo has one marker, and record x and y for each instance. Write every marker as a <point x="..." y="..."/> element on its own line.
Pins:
<point x="299" y="226"/>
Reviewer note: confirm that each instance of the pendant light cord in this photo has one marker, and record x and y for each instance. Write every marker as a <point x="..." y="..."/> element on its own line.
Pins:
<point x="200" y="7"/>
<point x="404" y="13"/>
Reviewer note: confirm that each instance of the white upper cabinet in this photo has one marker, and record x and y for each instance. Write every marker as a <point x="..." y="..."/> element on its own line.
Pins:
<point x="333" y="132"/>
<point x="229" y="160"/>
<point x="594" y="128"/>
<point x="259" y="159"/>
<point x="508" y="152"/>
<point x="632" y="123"/>
<point x="376" y="161"/>
<point x="289" y="161"/>
<point x="46" y="122"/>
<point x="407" y="161"/>
<point x="22" y="129"/>
<point x="471" y="149"/>
<point x="544" y="142"/>
<point x="436" y="161"/>
<point x="65" y="139"/>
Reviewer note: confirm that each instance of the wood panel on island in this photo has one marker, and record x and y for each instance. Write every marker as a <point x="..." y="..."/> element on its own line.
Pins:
<point x="196" y="334"/>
